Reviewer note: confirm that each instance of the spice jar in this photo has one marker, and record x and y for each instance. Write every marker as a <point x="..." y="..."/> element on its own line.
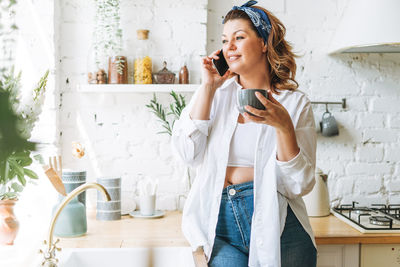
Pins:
<point x="164" y="76"/>
<point x="143" y="63"/>
<point x="117" y="70"/>
<point x="184" y="75"/>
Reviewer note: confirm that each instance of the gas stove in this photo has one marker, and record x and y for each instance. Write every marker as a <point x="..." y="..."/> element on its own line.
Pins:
<point x="377" y="218"/>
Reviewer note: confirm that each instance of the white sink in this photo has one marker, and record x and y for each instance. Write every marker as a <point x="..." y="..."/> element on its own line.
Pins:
<point x="127" y="257"/>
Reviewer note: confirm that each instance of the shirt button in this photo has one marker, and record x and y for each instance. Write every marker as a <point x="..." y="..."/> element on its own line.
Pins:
<point x="259" y="242"/>
<point x="232" y="192"/>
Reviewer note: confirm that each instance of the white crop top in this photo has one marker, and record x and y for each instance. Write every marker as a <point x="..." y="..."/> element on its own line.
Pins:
<point x="243" y="145"/>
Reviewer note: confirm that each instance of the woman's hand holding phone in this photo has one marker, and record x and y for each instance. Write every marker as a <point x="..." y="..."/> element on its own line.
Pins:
<point x="210" y="75"/>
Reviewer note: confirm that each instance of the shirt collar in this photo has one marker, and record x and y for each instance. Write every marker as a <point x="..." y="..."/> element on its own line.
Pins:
<point x="231" y="82"/>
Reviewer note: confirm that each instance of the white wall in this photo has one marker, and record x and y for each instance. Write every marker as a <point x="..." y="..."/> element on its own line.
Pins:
<point x="120" y="133"/>
<point x="118" y="130"/>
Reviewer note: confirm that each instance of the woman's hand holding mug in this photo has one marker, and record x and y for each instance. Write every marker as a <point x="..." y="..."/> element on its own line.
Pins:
<point x="274" y="114"/>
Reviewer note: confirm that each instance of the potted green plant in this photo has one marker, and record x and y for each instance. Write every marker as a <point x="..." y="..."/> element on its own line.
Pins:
<point x="163" y="115"/>
<point x="18" y="114"/>
<point x="107" y="45"/>
<point x="17" y="119"/>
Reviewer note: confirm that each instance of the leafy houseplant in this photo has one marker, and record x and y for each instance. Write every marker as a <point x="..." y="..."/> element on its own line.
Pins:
<point x="21" y="116"/>
<point x="107" y="43"/>
<point x="16" y="123"/>
<point x="17" y="118"/>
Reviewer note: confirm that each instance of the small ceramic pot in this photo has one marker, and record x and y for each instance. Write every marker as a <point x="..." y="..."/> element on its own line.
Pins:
<point x="111" y="210"/>
<point x="9" y="224"/>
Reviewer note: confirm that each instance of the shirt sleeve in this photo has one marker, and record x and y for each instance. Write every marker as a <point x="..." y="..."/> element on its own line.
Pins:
<point x="189" y="137"/>
<point x="296" y="177"/>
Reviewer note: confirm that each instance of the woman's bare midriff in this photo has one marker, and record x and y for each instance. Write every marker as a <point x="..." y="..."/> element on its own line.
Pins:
<point x="238" y="175"/>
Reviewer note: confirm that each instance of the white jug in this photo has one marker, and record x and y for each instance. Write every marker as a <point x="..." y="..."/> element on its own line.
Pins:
<point x="317" y="201"/>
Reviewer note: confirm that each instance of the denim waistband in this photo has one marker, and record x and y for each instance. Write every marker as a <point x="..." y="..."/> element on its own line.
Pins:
<point x="240" y="190"/>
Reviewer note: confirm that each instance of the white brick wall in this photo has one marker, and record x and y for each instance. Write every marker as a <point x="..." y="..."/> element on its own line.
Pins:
<point x="120" y="133"/>
<point x="117" y="129"/>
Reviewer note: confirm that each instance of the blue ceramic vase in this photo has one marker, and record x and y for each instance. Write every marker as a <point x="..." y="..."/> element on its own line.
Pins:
<point x="72" y="220"/>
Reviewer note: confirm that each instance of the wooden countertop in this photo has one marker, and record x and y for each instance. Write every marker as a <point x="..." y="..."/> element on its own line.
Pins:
<point x="331" y="230"/>
<point x="130" y="232"/>
<point x="166" y="232"/>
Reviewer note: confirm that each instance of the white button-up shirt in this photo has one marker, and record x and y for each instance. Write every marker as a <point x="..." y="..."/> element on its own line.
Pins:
<point x="205" y="144"/>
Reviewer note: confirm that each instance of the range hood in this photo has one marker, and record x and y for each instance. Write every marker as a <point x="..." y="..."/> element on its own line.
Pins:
<point x="368" y="26"/>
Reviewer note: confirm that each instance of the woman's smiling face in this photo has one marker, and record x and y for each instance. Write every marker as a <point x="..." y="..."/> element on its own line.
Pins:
<point x="243" y="49"/>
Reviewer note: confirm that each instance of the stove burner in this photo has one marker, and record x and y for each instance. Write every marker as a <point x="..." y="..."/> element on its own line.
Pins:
<point x="380" y="220"/>
<point x="360" y="210"/>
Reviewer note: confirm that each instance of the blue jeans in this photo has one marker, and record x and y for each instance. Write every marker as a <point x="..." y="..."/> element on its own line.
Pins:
<point x="231" y="244"/>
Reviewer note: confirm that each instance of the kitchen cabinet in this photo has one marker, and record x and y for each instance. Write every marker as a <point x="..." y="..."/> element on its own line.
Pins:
<point x="136" y="88"/>
<point x="373" y="255"/>
<point x="338" y="255"/>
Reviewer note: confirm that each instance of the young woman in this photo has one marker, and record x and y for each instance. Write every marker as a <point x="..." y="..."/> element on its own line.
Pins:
<point x="245" y="207"/>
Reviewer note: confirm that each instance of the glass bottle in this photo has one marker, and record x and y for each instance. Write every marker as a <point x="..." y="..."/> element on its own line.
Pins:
<point x="143" y="63"/>
<point x="184" y="75"/>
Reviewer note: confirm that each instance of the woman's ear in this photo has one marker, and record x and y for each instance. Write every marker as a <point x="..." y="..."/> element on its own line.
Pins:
<point x="264" y="49"/>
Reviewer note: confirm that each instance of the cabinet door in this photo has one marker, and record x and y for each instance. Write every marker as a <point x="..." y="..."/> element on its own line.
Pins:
<point x="338" y="256"/>
<point x="387" y="255"/>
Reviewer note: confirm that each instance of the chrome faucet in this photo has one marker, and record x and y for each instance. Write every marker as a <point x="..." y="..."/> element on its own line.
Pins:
<point x="49" y="254"/>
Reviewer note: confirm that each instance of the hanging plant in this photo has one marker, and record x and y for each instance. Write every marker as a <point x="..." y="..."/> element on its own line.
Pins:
<point x="107" y="41"/>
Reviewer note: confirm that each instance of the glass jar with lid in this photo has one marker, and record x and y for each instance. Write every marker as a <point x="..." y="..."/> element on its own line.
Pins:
<point x="143" y="63"/>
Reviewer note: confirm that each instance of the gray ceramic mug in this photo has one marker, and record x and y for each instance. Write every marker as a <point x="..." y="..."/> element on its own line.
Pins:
<point x="247" y="97"/>
<point x="328" y="125"/>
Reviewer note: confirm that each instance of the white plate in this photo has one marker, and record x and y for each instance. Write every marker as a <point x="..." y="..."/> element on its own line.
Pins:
<point x="157" y="214"/>
<point x="127" y="207"/>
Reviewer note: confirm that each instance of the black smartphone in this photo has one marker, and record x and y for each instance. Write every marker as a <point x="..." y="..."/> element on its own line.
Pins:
<point x="220" y="64"/>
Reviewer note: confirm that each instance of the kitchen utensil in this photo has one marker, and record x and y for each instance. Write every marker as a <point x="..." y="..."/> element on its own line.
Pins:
<point x="317" y="201"/>
<point x="55" y="179"/>
<point x="56" y="163"/>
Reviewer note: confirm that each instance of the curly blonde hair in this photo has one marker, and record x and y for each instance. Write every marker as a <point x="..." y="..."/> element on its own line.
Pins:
<point x="281" y="59"/>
